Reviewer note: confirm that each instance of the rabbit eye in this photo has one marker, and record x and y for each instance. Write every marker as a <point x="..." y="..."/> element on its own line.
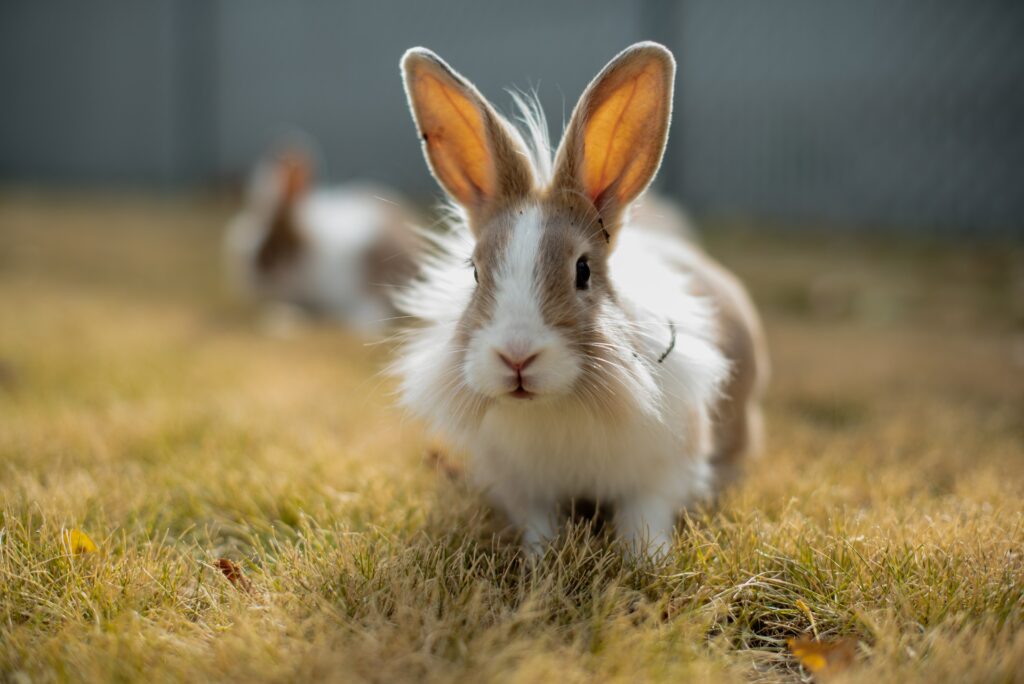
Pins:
<point x="582" y="273"/>
<point x="476" y="276"/>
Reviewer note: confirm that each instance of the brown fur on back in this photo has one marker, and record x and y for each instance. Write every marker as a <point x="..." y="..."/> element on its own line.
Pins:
<point x="738" y="431"/>
<point x="282" y="244"/>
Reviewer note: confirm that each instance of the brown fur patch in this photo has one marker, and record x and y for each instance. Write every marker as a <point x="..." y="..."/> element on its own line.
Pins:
<point x="282" y="244"/>
<point x="737" y="414"/>
<point x="490" y="246"/>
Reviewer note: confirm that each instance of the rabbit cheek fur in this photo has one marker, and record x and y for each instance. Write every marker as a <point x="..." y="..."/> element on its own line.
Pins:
<point x="557" y="385"/>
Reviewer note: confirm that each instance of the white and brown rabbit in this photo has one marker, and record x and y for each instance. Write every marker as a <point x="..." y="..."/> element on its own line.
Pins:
<point x="332" y="252"/>
<point x="576" y="353"/>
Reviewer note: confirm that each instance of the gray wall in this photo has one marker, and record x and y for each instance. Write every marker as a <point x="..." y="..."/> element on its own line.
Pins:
<point x="87" y="91"/>
<point x="334" y="70"/>
<point x="883" y="111"/>
<point x="904" y="112"/>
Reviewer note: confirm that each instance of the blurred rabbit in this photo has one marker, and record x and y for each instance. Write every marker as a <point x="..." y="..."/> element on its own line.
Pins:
<point x="331" y="252"/>
<point x="576" y="349"/>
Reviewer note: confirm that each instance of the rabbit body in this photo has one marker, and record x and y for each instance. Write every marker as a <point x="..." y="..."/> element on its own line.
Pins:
<point x="578" y="353"/>
<point x="332" y="252"/>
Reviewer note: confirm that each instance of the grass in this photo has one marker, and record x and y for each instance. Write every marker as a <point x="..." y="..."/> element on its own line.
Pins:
<point x="139" y="404"/>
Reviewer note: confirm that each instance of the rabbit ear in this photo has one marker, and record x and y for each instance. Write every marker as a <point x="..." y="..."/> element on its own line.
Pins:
<point x="474" y="154"/>
<point x="292" y="172"/>
<point x="295" y="172"/>
<point x="616" y="137"/>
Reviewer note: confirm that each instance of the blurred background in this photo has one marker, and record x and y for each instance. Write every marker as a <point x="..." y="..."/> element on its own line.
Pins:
<point x="901" y="115"/>
<point x="859" y="164"/>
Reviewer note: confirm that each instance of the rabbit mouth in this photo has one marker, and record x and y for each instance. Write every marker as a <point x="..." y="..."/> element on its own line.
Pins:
<point x="521" y="392"/>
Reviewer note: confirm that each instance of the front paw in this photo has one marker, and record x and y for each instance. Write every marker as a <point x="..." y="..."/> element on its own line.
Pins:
<point x="655" y="548"/>
<point x="645" y="528"/>
<point x="537" y="534"/>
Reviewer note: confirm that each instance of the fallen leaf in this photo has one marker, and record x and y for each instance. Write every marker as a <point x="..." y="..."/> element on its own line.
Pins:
<point x="823" y="657"/>
<point x="810" y="616"/>
<point x="233" y="572"/>
<point x="76" y="542"/>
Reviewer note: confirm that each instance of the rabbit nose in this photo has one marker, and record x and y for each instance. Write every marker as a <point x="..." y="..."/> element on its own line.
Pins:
<point x="517" y="363"/>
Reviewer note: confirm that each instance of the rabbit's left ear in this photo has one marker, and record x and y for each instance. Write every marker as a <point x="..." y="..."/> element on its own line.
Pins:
<point x="296" y="171"/>
<point x="474" y="154"/>
<point x="616" y="137"/>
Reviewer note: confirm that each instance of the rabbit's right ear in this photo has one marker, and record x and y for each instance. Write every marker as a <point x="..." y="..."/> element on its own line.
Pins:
<point x="295" y="172"/>
<point x="474" y="154"/>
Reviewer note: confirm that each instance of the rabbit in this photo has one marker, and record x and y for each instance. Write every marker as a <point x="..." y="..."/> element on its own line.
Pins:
<point x="331" y="252"/>
<point x="576" y="353"/>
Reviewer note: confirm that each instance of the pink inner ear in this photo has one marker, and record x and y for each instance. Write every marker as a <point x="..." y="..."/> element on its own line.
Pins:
<point x="453" y="131"/>
<point x="616" y="126"/>
<point x="450" y="168"/>
<point x="623" y="133"/>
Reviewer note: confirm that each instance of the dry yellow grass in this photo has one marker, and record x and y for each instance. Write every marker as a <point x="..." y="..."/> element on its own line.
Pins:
<point x="139" y="405"/>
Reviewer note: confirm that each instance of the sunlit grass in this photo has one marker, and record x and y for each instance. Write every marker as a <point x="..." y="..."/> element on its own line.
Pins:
<point x="139" y="405"/>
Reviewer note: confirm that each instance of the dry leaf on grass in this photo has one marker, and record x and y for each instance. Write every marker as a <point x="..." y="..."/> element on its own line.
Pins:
<point x="823" y="657"/>
<point x="76" y="542"/>
<point x="233" y="572"/>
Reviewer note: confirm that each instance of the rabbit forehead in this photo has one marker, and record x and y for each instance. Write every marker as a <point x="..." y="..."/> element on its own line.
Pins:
<point x="509" y="253"/>
<point x="528" y="257"/>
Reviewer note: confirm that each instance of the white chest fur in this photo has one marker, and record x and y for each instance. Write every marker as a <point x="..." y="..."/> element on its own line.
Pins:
<point x="550" y="454"/>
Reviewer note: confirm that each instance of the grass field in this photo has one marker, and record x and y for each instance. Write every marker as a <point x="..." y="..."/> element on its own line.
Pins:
<point x="140" y="405"/>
